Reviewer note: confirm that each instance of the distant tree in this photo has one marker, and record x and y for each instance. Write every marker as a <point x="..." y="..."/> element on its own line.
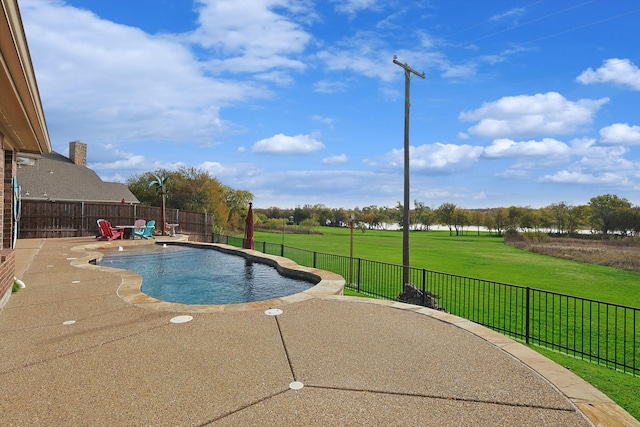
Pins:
<point x="636" y="223"/>
<point x="445" y="215"/>
<point x="500" y="217"/>
<point x="460" y="219"/>
<point x="560" y="215"/>
<point x="529" y="220"/>
<point x="489" y="220"/>
<point x="323" y="214"/>
<point x="477" y="218"/>
<point x="340" y="216"/>
<point x="606" y="212"/>
<point x="424" y="215"/>
<point x="576" y="218"/>
<point x="309" y="224"/>
<point x="513" y="218"/>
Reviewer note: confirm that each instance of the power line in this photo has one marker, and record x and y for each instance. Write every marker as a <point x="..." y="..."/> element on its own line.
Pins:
<point x="533" y="21"/>
<point x="492" y="19"/>
<point x="579" y="27"/>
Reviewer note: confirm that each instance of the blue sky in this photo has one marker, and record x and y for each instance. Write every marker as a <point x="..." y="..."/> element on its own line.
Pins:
<point x="524" y="103"/>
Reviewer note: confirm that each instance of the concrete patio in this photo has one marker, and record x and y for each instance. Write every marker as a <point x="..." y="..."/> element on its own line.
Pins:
<point x="324" y="361"/>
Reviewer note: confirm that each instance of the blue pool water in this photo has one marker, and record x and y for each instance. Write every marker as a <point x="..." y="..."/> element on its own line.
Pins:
<point x="190" y="275"/>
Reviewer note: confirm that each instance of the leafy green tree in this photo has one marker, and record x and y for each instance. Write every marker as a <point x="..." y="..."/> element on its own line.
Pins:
<point x="340" y="216"/>
<point x="529" y="220"/>
<point x="606" y="212"/>
<point x="500" y="216"/>
<point x="194" y="190"/>
<point x="576" y="217"/>
<point x="461" y="219"/>
<point x="445" y="215"/>
<point x="489" y="220"/>
<point x="560" y="215"/>
<point x="309" y="224"/>
<point x="476" y="217"/>
<point x="424" y="215"/>
<point x="514" y="216"/>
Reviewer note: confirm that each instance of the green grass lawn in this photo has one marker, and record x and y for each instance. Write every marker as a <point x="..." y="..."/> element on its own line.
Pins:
<point x="487" y="257"/>
<point x="484" y="257"/>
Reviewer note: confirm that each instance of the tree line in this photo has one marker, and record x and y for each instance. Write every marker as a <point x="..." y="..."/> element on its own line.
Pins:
<point x="192" y="189"/>
<point x="606" y="214"/>
<point x="195" y="190"/>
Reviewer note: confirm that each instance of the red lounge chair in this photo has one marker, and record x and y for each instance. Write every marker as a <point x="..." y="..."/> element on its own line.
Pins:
<point x="107" y="232"/>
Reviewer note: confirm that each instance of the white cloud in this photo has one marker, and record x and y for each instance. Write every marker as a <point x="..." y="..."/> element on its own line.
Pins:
<point x="326" y="120"/>
<point x="102" y="81"/>
<point x="620" y="133"/>
<point x="331" y="160"/>
<point x="283" y="144"/>
<point x="217" y="168"/>
<point x="253" y="36"/>
<point x="588" y="149"/>
<point x="617" y="71"/>
<point x="511" y="13"/>
<point x="568" y="177"/>
<point x="325" y="86"/>
<point x="437" y="157"/>
<point x="130" y="162"/>
<point x="351" y="7"/>
<point x="547" y="147"/>
<point x="107" y="158"/>
<point x="524" y="115"/>
<point x="515" y="172"/>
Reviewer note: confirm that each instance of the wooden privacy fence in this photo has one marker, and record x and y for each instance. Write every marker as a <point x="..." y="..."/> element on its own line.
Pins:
<point x="42" y="219"/>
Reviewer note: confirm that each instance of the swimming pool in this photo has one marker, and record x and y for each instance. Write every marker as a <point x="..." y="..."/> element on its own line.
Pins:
<point x="190" y="275"/>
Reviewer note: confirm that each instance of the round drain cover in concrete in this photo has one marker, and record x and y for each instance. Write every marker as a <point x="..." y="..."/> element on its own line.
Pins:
<point x="273" y="312"/>
<point x="296" y="385"/>
<point x="181" y="319"/>
<point x="68" y="322"/>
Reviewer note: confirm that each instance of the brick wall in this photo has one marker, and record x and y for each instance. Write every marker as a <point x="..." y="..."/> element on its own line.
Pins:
<point x="7" y="199"/>
<point x="7" y="256"/>
<point x="7" y="273"/>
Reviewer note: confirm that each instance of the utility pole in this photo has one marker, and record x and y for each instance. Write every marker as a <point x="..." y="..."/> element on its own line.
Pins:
<point x="405" y="218"/>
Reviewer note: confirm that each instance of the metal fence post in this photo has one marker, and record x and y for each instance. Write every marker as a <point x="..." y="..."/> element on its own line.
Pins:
<point x="315" y="256"/>
<point x="358" y="276"/>
<point x="424" y="286"/>
<point x="527" y="318"/>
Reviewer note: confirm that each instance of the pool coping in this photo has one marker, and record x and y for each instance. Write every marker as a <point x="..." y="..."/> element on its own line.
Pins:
<point x="328" y="284"/>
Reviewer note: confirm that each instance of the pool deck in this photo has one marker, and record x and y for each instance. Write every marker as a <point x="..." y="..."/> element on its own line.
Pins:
<point x="325" y="361"/>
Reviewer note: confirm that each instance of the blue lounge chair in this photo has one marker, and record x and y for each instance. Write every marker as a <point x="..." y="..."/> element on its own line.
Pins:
<point x="146" y="231"/>
<point x="138" y="227"/>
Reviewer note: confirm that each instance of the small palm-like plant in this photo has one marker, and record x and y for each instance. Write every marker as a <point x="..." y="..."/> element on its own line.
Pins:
<point x="160" y="183"/>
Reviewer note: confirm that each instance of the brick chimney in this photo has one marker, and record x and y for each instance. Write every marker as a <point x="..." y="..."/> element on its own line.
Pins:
<point x="78" y="153"/>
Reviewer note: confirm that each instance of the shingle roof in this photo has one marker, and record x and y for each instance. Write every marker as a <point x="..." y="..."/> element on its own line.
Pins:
<point x="56" y="178"/>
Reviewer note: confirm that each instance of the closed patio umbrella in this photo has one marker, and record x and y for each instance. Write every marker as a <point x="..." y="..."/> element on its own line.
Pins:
<point x="248" y="230"/>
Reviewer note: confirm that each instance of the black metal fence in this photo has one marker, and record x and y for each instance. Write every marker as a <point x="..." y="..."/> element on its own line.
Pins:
<point x="592" y="330"/>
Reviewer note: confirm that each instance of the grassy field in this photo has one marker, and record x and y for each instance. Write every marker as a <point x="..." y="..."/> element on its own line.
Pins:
<point x="487" y="257"/>
<point x="484" y="257"/>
